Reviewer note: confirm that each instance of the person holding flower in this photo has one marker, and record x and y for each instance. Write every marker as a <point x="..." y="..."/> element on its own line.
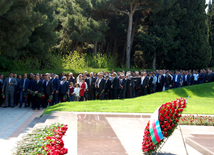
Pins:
<point x="24" y="85"/>
<point x="37" y="88"/>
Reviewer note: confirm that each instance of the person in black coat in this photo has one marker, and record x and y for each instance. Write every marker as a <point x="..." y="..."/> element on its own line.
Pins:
<point x="123" y="82"/>
<point x="150" y="83"/>
<point x="108" y="87"/>
<point x="129" y="85"/>
<point x="63" y="89"/>
<point x="16" y="90"/>
<point x="56" y="84"/>
<point x="167" y="81"/>
<point x="37" y="88"/>
<point x="114" y="86"/>
<point x="144" y="83"/>
<point x="101" y="87"/>
<point x="137" y="84"/>
<point x="160" y="82"/>
<point x="48" y="90"/>
<point x="91" y="86"/>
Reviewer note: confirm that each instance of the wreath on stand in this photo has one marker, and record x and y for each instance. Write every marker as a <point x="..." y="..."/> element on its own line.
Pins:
<point x="161" y="125"/>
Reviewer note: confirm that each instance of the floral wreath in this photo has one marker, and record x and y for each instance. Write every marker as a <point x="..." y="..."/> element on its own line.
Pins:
<point x="162" y="124"/>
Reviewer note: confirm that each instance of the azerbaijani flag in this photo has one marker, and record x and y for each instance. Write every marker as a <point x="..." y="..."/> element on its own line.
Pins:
<point x="154" y="128"/>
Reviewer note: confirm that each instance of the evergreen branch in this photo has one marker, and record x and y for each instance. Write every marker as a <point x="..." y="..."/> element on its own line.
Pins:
<point x="121" y="11"/>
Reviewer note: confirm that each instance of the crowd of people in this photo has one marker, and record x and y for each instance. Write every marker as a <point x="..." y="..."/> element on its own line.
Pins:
<point x="41" y="90"/>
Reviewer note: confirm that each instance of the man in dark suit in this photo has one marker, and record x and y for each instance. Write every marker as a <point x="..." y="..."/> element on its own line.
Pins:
<point x="201" y="77"/>
<point x="123" y="82"/>
<point x="1" y="85"/>
<point x="186" y="79"/>
<point x="9" y="87"/>
<point x="48" y="90"/>
<point x="16" y="90"/>
<point x="63" y="88"/>
<point x="150" y="83"/>
<point x="114" y="86"/>
<point x="91" y="86"/>
<point x="24" y="85"/>
<point x="137" y="84"/>
<point x="129" y="85"/>
<point x="101" y="87"/>
<point x="176" y="80"/>
<point x="56" y="84"/>
<point x="160" y="81"/>
<point x="37" y="88"/>
<point x="144" y="83"/>
<point x="108" y="87"/>
<point x="167" y="81"/>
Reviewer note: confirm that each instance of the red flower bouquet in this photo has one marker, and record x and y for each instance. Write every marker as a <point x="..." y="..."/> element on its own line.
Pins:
<point x="168" y="117"/>
<point x="3" y="96"/>
<point x="50" y="98"/>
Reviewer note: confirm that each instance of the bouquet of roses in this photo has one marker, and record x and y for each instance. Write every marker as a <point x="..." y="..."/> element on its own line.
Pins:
<point x="64" y="97"/>
<point x="50" y="98"/>
<point x="3" y="96"/>
<point x="168" y="117"/>
<point x="32" y="92"/>
<point x="40" y="95"/>
<point x="96" y="94"/>
<point x="101" y="93"/>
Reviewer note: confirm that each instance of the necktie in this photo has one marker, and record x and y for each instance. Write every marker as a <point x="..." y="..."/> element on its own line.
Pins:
<point x="24" y="83"/>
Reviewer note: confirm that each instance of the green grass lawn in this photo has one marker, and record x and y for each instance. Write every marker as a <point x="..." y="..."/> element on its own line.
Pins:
<point x="201" y="101"/>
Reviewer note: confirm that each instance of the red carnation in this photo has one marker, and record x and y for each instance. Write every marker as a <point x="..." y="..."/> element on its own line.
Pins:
<point x="63" y="99"/>
<point x="173" y="124"/>
<point x="169" y="127"/>
<point x="4" y="98"/>
<point x="43" y="96"/>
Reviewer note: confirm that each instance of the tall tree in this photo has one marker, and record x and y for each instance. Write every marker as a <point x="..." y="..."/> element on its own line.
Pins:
<point x="129" y="7"/>
<point x="16" y="25"/>
<point x="179" y="35"/>
<point x="210" y="14"/>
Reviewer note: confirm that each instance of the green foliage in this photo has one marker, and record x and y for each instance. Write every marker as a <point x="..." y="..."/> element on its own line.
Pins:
<point x="74" y="60"/>
<point x="178" y="36"/>
<point x="27" y="64"/>
<point x="5" y="64"/>
<point x="101" y="61"/>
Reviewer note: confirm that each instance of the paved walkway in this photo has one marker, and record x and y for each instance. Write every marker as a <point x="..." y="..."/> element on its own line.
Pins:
<point x="96" y="133"/>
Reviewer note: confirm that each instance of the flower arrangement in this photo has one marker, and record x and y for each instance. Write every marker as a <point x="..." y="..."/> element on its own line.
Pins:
<point x="64" y="97"/>
<point x="3" y="96"/>
<point x="50" y="98"/>
<point x="96" y="94"/>
<point x="197" y="120"/>
<point x="44" y="141"/>
<point x="168" y="118"/>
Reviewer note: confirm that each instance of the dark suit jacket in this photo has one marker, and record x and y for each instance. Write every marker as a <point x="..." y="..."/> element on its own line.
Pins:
<point x="56" y="84"/>
<point x="27" y="82"/>
<point x="114" y="83"/>
<point x="17" y="87"/>
<point x="37" y="87"/>
<point x="72" y="80"/>
<point x="7" y="87"/>
<point x="92" y="84"/>
<point x="178" y="78"/>
<point x="145" y="81"/>
<point x="102" y="84"/>
<point x="138" y="82"/>
<point x="201" y="77"/>
<point x="48" y="89"/>
<point x="108" y="85"/>
<point x="150" y="81"/>
<point x="124" y="81"/>
<point x="63" y="89"/>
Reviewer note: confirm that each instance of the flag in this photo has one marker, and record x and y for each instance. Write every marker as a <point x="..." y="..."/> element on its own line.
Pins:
<point x="154" y="128"/>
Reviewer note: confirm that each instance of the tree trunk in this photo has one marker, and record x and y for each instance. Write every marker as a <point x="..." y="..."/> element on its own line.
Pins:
<point x="95" y="48"/>
<point x="128" y="45"/>
<point x="154" y="62"/>
<point x="124" y="54"/>
<point x="74" y="47"/>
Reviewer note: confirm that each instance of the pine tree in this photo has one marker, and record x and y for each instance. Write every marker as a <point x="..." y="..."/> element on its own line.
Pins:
<point x="44" y="36"/>
<point x="16" y="25"/>
<point x="180" y="36"/>
<point x="210" y="14"/>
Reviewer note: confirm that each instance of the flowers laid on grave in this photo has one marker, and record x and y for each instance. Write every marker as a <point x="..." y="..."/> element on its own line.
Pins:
<point x="162" y="124"/>
<point x="44" y="141"/>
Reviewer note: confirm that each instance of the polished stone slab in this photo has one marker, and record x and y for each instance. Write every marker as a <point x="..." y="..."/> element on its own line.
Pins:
<point x="96" y="136"/>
